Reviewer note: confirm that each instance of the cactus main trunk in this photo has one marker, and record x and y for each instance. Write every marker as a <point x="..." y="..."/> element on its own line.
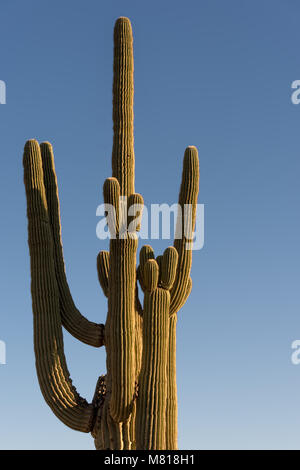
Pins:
<point x="123" y="141"/>
<point x="120" y="331"/>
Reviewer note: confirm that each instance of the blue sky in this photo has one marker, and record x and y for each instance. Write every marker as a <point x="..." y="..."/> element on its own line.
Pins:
<point x="212" y="74"/>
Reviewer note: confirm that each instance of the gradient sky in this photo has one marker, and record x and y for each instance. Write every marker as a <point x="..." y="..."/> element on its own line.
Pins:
<point x="215" y="74"/>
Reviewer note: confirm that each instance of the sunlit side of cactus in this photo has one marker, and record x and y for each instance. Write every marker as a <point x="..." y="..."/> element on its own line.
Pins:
<point x="135" y="403"/>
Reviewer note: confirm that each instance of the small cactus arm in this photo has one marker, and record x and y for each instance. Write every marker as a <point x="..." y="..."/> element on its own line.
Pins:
<point x="135" y="402"/>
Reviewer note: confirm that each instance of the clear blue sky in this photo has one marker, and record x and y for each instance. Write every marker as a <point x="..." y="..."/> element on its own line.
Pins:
<point x="213" y="74"/>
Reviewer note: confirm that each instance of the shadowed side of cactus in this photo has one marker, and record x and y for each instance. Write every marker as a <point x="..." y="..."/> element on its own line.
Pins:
<point x="135" y="402"/>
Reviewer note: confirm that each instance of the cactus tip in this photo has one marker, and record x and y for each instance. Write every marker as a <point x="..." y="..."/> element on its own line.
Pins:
<point x="192" y="147"/>
<point x="31" y="143"/>
<point x="46" y="144"/>
<point x="123" y="19"/>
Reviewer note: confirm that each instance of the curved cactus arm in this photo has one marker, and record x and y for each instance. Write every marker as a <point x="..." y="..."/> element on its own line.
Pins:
<point x="182" y="283"/>
<point x="188" y="196"/>
<point x="53" y="375"/>
<point x="76" y="324"/>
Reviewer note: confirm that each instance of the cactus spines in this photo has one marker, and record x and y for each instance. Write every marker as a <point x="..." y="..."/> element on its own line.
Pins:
<point x="135" y="403"/>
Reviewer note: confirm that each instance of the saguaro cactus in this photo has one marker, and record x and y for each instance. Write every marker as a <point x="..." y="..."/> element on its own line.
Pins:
<point x="135" y="403"/>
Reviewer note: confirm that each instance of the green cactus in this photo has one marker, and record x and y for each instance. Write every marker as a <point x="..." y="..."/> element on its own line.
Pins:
<point x="135" y="403"/>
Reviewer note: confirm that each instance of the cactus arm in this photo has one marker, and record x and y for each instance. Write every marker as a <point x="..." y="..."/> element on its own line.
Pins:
<point x="135" y="205"/>
<point x="151" y="275"/>
<point x="168" y="268"/>
<point x="151" y="402"/>
<point x="103" y="270"/>
<point x="75" y="323"/>
<point x="145" y="254"/>
<point x="111" y="195"/>
<point x="53" y="375"/>
<point x="151" y="415"/>
<point x="171" y="406"/>
<point x="169" y="262"/>
<point x="182" y="284"/>
<point x="188" y="195"/>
